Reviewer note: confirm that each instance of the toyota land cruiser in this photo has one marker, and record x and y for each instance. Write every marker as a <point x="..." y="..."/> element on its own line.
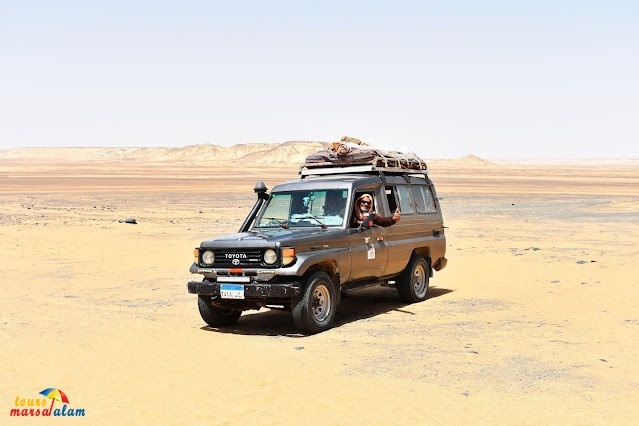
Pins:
<point x="291" y="252"/>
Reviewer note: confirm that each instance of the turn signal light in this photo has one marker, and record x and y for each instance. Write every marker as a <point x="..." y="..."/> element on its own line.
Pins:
<point x="288" y="256"/>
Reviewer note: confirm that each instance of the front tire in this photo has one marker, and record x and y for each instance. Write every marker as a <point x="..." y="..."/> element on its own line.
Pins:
<point x="214" y="316"/>
<point x="412" y="285"/>
<point x="315" y="311"/>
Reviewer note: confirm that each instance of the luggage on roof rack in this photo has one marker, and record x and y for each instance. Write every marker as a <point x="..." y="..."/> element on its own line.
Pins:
<point x="362" y="160"/>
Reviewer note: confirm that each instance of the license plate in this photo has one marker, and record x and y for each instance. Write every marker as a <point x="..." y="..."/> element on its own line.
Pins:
<point x="231" y="291"/>
<point x="223" y="279"/>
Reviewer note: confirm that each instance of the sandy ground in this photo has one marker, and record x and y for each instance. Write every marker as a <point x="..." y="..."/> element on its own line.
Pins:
<point x="533" y="321"/>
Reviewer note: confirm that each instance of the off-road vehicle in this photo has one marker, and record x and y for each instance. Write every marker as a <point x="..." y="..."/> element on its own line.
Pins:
<point x="292" y="253"/>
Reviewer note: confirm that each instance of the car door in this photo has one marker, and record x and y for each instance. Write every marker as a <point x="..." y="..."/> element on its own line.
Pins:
<point x="368" y="247"/>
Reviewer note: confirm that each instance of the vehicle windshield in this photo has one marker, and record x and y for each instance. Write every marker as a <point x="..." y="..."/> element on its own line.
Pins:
<point x="309" y="208"/>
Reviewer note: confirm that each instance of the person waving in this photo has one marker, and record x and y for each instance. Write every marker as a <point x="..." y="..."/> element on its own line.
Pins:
<point x="364" y="206"/>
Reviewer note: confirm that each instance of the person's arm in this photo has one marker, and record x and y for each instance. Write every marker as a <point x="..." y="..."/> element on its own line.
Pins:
<point x="386" y="220"/>
<point x="383" y="220"/>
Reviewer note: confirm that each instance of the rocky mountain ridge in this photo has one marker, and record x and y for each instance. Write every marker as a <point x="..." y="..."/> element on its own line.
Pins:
<point x="290" y="153"/>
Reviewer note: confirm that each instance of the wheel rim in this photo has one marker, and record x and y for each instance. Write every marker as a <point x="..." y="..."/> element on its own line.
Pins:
<point x="321" y="303"/>
<point x="420" y="284"/>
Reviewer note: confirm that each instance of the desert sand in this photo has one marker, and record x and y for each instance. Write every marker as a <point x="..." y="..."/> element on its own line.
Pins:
<point x="533" y="321"/>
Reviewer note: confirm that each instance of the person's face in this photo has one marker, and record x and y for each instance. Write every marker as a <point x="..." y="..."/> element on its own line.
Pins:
<point x="365" y="205"/>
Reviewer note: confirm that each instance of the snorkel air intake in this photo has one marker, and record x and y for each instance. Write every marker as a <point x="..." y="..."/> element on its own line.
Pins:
<point x="260" y="189"/>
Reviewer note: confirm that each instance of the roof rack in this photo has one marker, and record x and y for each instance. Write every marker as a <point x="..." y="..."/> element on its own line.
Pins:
<point x="342" y="169"/>
<point x="377" y="161"/>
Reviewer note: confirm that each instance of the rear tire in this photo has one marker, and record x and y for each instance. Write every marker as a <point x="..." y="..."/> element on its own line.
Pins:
<point x="214" y="316"/>
<point x="315" y="311"/>
<point x="412" y="285"/>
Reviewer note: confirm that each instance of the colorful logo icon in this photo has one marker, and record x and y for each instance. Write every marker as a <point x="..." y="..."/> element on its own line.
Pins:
<point x="35" y="407"/>
<point x="55" y="394"/>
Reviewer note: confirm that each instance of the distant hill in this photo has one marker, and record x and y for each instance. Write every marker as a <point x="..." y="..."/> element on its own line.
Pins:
<point x="287" y="153"/>
<point x="291" y="153"/>
<point x="468" y="160"/>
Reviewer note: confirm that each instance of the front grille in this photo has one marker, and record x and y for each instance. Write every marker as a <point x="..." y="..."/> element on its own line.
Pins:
<point x="246" y="258"/>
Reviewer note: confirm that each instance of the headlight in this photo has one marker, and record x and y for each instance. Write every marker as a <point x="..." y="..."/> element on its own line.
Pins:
<point x="208" y="257"/>
<point x="270" y="257"/>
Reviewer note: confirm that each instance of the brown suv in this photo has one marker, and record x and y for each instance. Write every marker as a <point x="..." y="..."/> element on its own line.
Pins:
<point x="296" y="250"/>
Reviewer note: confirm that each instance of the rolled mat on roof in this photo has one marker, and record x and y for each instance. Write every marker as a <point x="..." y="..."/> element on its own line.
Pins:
<point x="361" y="156"/>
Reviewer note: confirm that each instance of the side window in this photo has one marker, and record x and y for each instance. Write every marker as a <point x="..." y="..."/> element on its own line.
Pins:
<point x="390" y="196"/>
<point x="424" y="201"/>
<point x="405" y="200"/>
<point x="420" y="200"/>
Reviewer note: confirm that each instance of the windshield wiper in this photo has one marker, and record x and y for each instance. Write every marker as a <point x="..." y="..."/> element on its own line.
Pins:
<point x="281" y="222"/>
<point x="310" y="216"/>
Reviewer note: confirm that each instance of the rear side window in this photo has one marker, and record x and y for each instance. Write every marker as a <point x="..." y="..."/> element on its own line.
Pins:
<point x="405" y="199"/>
<point x="424" y="202"/>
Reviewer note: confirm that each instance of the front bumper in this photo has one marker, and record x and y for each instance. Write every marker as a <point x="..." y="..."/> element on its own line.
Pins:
<point x="252" y="291"/>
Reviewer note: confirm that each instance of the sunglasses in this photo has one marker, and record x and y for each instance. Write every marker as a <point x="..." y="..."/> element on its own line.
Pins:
<point x="365" y="202"/>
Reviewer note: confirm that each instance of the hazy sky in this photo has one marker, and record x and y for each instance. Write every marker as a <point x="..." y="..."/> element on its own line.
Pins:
<point x="499" y="79"/>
